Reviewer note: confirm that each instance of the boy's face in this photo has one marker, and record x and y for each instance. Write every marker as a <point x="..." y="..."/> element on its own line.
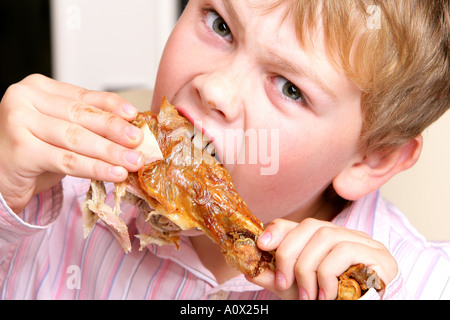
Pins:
<point x="232" y="68"/>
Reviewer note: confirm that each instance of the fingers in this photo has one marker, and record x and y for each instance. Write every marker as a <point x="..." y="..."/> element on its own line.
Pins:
<point x="337" y="244"/>
<point x="289" y="239"/>
<point x="334" y="264"/>
<point x="80" y="141"/>
<point x="93" y="119"/>
<point x="106" y="101"/>
<point x="268" y="280"/>
<point x="312" y="255"/>
<point x="89" y="130"/>
<point x="74" y="164"/>
<point x="100" y="112"/>
<point x="50" y="129"/>
<point x="86" y="126"/>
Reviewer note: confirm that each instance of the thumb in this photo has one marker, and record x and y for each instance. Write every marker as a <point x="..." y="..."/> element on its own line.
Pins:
<point x="267" y="280"/>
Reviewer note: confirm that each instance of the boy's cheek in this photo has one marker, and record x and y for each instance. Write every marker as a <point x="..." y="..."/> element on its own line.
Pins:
<point x="268" y="196"/>
<point x="292" y="190"/>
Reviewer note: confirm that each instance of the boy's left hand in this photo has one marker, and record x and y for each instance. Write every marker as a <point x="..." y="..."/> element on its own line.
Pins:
<point x="311" y="255"/>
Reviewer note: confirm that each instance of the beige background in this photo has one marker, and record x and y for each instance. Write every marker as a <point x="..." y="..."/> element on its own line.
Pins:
<point x="422" y="193"/>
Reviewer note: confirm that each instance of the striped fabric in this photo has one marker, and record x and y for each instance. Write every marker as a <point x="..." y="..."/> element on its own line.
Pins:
<point x="43" y="255"/>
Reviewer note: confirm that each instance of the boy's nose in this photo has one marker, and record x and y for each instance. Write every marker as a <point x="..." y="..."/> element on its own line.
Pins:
<point x="222" y="92"/>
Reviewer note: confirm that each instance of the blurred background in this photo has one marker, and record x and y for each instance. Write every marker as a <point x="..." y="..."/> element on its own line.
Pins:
<point x="25" y="40"/>
<point x="99" y="44"/>
<point x="115" y="45"/>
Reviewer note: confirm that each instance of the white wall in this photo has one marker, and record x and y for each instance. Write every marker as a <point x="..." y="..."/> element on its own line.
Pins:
<point x="110" y="44"/>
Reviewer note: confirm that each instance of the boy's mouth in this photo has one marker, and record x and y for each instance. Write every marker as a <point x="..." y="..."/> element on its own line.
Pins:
<point x="201" y="141"/>
<point x="231" y="147"/>
<point x="199" y="136"/>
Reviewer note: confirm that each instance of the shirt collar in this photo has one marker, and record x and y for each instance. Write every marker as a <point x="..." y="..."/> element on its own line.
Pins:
<point x="369" y="215"/>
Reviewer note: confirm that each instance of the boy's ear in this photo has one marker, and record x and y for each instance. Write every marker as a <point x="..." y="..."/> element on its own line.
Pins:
<point x="372" y="171"/>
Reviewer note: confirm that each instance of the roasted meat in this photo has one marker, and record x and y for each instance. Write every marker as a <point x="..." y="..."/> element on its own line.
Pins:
<point x="356" y="281"/>
<point x="186" y="189"/>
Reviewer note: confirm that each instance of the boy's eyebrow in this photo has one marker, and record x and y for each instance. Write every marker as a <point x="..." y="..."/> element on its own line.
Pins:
<point x="291" y="68"/>
<point x="232" y="12"/>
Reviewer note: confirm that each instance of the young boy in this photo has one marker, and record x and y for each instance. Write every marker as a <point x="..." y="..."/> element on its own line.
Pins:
<point x="347" y="86"/>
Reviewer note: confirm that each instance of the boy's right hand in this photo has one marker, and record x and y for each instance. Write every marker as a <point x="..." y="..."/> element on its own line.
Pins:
<point x="50" y="129"/>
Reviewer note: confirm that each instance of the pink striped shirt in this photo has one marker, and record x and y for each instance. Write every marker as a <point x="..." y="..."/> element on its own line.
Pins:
<point x="43" y="255"/>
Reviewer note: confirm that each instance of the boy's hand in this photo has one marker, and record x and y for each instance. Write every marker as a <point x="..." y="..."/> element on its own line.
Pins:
<point x="311" y="255"/>
<point x="50" y="129"/>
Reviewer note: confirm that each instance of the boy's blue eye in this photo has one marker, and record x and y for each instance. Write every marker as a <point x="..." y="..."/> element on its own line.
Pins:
<point x="288" y="89"/>
<point x="218" y="25"/>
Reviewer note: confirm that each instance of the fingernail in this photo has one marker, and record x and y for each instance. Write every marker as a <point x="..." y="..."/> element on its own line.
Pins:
<point x="133" y="157"/>
<point x="129" y="110"/>
<point x="132" y="132"/>
<point x="118" y="172"/>
<point x="281" y="280"/>
<point x="265" y="238"/>
<point x="303" y="295"/>
<point x="321" y="295"/>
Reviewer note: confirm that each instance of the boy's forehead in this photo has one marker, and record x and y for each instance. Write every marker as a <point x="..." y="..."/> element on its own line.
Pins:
<point x="275" y="17"/>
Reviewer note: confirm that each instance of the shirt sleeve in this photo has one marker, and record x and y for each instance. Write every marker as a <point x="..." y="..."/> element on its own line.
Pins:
<point x="396" y="290"/>
<point x="424" y="265"/>
<point x="40" y="213"/>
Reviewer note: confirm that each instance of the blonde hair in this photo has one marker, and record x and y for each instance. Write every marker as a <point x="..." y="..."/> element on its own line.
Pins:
<point x="396" y="52"/>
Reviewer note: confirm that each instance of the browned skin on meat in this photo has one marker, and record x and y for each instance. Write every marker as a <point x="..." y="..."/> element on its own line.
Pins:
<point x="356" y="281"/>
<point x="193" y="190"/>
